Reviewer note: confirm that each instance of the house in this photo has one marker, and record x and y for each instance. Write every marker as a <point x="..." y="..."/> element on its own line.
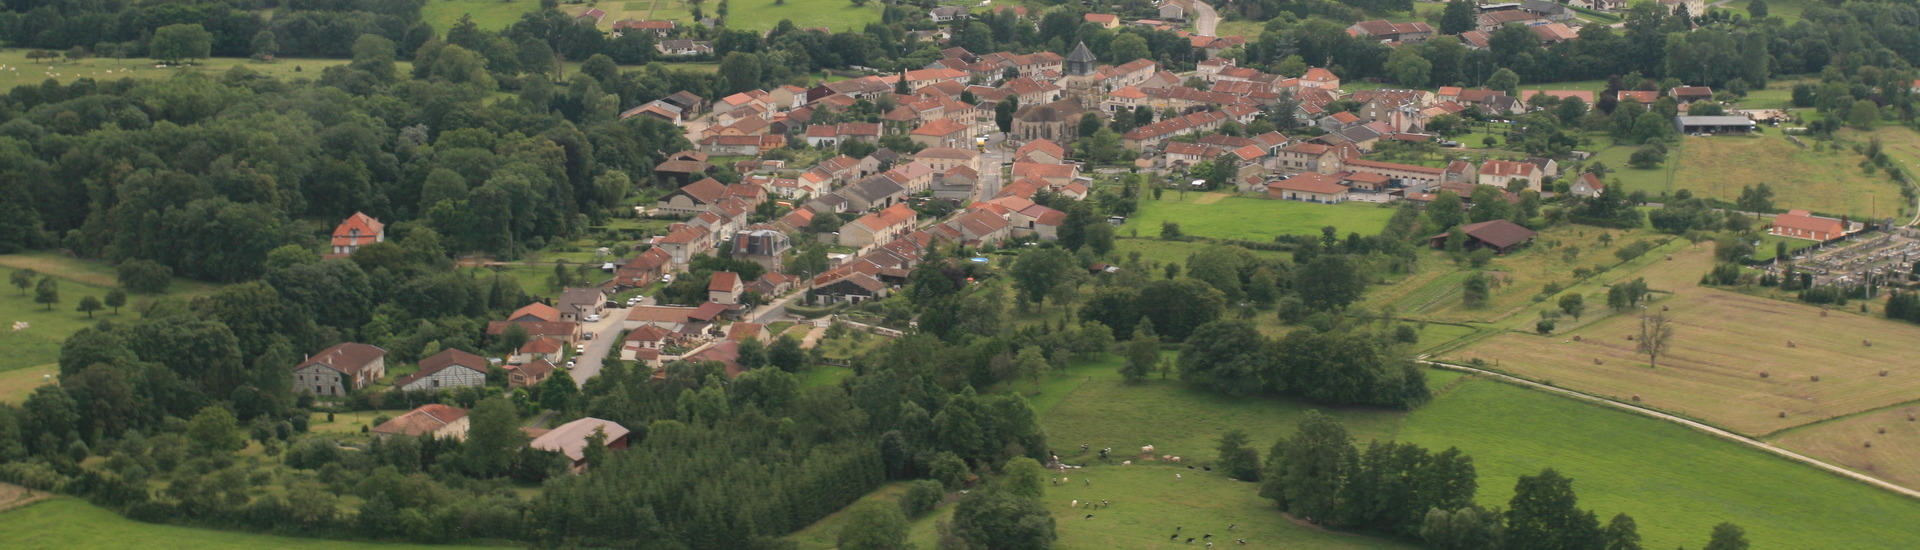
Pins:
<point x="563" y="331"/>
<point x="1309" y="187"/>
<point x="942" y="159"/>
<point x="692" y="198"/>
<point x="1476" y="40"/>
<point x="684" y="47"/>
<point x="669" y="318"/>
<point x="1553" y="11"/>
<point x="772" y="283"/>
<point x="537" y="312"/>
<point x="724" y="352"/>
<point x="645" y="343"/>
<point x="1306" y="157"/>
<point x="941" y="133"/>
<point x="531" y="373"/>
<point x="659" y="28"/>
<point x="744" y="331"/>
<point x="1055" y="175"/>
<point x="571" y="439"/>
<point x="1725" y="124"/>
<point x="643" y="269"/>
<point x="1171" y="10"/>
<point x="592" y="16"/>
<point x="1689" y="94"/>
<point x="1642" y="97"/>
<point x="1105" y="20"/>
<point x="1799" y="224"/>
<point x="1385" y="31"/>
<point x="853" y="288"/>
<point x="1398" y="175"/>
<point x="725" y="287"/>
<point x="436" y="421"/>
<point x="451" y="368"/>
<point x="357" y="231"/>
<point x="944" y="14"/>
<point x="1320" y="78"/>
<point x="877" y="191"/>
<point x="832" y="135"/>
<point x="1587" y="185"/>
<point x="576" y="304"/>
<point x="879" y="227"/>
<point x="539" y="348"/>
<point x="743" y="145"/>
<point x="339" y="369"/>
<point x="1696" y="8"/>
<point x="1490" y="21"/>
<point x="1500" y="173"/>
<point x="1600" y="5"/>
<point x="1553" y="33"/>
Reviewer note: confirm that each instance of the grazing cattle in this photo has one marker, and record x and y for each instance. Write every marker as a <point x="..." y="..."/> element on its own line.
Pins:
<point x="1243" y="542"/>
<point x="1207" y="468"/>
<point x="1176" y="477"/>
<point x="1189" y="540"/>
<point x="1209" y="536"/>
<point x="1175" y="536"/>
<point x="1147" y="449"/>
<point x="1126" y="463"/>
<point x="1074" y="504"/>
<point x="1089" y="516"/>
<point x="1176" y="459"/>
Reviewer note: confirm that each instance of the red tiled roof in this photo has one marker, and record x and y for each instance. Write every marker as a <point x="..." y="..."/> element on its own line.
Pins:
<point x="346" y="358"/>
<point x="422" y="421"/>
<point x="1310" y="183"/>
<point x="358" y="229"/>
<point x="723" y="281"/>
<point x="939" y="128"/>
<point x="1804" y="221"/>
<point x="541" y="345"/>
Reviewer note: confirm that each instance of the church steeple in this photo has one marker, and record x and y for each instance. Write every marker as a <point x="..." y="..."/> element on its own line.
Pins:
<point x="1080" y="62"/>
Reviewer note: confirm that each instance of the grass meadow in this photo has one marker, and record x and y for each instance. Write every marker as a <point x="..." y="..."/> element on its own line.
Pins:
<point x="1253" y="219"/>
<point x="39" y="345"/>
<point x="1435" y="291"/>
<point x="1827" y="181"/>
<point x="753" y="15"/>
<point x="71" y="523"/>
<point x="490" y="15"/>
<point x="15" y="70"/>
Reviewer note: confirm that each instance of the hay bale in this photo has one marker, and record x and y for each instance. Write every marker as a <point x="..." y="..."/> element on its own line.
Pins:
<point x="1816" y="378"/>
<point x="1764" y="374"/>
<point x="1636" y="398"/>
<point x="1783" y="414"/>
<point x="1909" y="417"/>
<point x="1869" y="445"/>
<point x="1883" y="373"/>
<point x="1596" y="361"/>
<point x="1823" y="312"/>
<point x="1790" y="344"/>
<point x="1664" y="308"/>
<point x="1629" y="337"/>
<point x="1883" y="430"/>
<point x="1866" y="343"/>
<point x="1576" y="337"/>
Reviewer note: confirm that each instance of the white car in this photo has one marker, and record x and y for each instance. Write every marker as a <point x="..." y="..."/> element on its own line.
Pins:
<point x="579" y="349"/>
<point x="668" y="278"/>
<point x="593" y="318"/>
<point x="569" y="365"/>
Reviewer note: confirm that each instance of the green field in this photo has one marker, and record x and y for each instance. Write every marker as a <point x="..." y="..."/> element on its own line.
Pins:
<point x="1829" y="181"/>
<point x="68" y="523"/>
<point x="754" y="15"/>
<point x="15" y="70"/>
<point x="1676" y="482"/>
<point x="1252" y="219"/>
<point x="40" y="343"/>
<point x="490" y="15"/>
<point x="17" y="384"/>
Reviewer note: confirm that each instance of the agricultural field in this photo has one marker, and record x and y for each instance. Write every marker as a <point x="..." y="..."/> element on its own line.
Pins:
<point x="39" y="344"/>
<point x="1829" y="181"/>
<point x="1434" y="292"/>
<point x="1175" y="251"/>
<point x="17" y="384"/>
<point x="1723" y="343"/>
<point x="1220" y="216"/>
<point x="70" y="523"/>
<point x="1651" y="180"/>
<point x="1657" y="472"/>
<point x="489" y="15"/>
<point x="754" y="15"/>
<point x="15" y="70"/>
<point x="1880" y="443"/>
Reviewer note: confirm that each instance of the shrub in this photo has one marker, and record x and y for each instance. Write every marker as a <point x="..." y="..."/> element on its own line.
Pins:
<point x="921" y="497"/>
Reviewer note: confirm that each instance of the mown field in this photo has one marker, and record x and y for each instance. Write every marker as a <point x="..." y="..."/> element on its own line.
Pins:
<point x="490" y="15"/>
<point x="1822" y="181"/>
<point x="1435" y="291"/>
<point x="754" y="15"/>
<point x="15" y="70"/>
<point x="1722" y="344"/>
<point x="1676" y="482"/>
<point x="1881" y="443"/>
<point x="69" y="523"/>
<point x="40" y="343"/>
<point x="1252" y="219"/>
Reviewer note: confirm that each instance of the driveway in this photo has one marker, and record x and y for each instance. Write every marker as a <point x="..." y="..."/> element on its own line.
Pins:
<point x="1204" y="19"/>
<point x="606" y="332"/>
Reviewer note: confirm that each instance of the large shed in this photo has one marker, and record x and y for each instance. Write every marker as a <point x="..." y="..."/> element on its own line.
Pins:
<point x="1500" y="235"/>
<point x="1726" y="124"/>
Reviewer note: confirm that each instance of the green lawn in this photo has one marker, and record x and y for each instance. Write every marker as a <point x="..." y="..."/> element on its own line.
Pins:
<point x="490" y="15"/>
<point x="1829" y="181"/>
<point x="17" y="384"/>
<point x="1676" y="482"/>
<point x="758" y="15"/>
<point x="40" y="343"/>
<point x="68" y="523"/>
<point x="1253" y="219"/>
<point x="18" y="71"/>
<point x="824" y="375"/>
<point x="1175" y="251"/>
<point x="1651" y="180"/>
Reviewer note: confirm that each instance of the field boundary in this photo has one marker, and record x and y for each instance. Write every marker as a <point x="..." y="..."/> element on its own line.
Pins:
<point x="1782" y="432"/>
<point x="1697" y="426"/>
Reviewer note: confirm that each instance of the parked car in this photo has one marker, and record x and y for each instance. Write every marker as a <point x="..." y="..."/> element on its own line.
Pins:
<point x="593" y="318"/>
<point x="569" y="365"/>
<point x="587" y="335"/>
<point x="668" y="278"/>
<point x="579" y="349"/>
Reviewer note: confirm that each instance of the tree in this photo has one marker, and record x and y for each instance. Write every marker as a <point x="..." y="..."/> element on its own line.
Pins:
<point x="1727" y="536"/>
<point x="265" y="45"/>
<point x="1128" y="47"/>
<point x="1489" y="203"/>
<point x="1031" y="363"/>
<point x="740" y="71"/>
<point x="1329" y="282"/>
<point x="1544" y="514"/>
<point x="89" y="304"/>
<point x="1023" y="477"/>
<point x="873" y="525"/>
<point x="1003" y="113"/>
<point x="996" y="519"/>
<point x="1038" y="271"/>
<point x="23" y="279"/>
<point x="493" y="437"/>
<point x="1408" y="67"/>
<point x="1647" y="157"/>
<point x="1863" y="114"/>
<point x="1473" y="292"/>
<point x="115" y="299"/>
<point x="1573" y="304"/>
<point x="1458" y="17"/>
<point x="1143" y="353"/>
<point x="752" y="354"/>
<point x="1757" y="9"/>
<point x="214" y="431"/>
<point x="144" y="276"/>
<point x="1304" y="471"/>
<point x="512" y="338"/>
<point x="785" y="354"/>
<point x="558" y="392"/>
<point x="182" y="43"/>
<point x="1237" y="458"/>
<point x="1445" y="211"/>
<point x="1621" y="533"/>
<point x="1656" y="334"/>
<point x="47" y="291"/>
<point x="1505" y="81"/>
<point x="1756" y="198"/>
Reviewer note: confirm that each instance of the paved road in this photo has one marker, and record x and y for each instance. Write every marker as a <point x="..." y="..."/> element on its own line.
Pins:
<point x="1710" y="430"/>
<point x="996" y="156"/>
<point x="606" y="333"/>
<point x="1204" y="19"/>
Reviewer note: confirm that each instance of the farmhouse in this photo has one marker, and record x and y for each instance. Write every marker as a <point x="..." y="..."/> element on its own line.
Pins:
<point x="1500" y="173"/>
<point x="451" y="368"/>
<point x="1730" y="124"/>
<point x="1500" y="235"/>
<point x="340" y="368"/>
<point x="357" y="231"/>
<point x="1308" y="187"/>
<point x="1800" y="224"/>
<point x="1587" y="185"/>
<point x="436" y="420"/>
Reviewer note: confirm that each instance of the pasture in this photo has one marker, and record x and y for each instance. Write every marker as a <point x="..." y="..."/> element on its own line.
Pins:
<point x="1722" y="343"/>
<point x="17" y="384"/>
<point x="70" y="523"/>
<point x="489" y="15"/>
<point x="1253" y="219"/>
<point x="1676" y="482"/>
<point x="1829" y="181"/>
<point x="15" y="70"/>
<point x="1435" y="291"/>
<point x="753" y="15"/>
<point x="40" y="343"/>
<point x="1176" y="251"/>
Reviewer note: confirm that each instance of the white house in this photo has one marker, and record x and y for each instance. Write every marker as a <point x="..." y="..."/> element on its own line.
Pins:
<point x="451" y="368"/>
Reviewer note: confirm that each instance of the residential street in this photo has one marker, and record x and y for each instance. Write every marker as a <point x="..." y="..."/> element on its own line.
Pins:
<point x="606" y="333"/>
<point x="1204" y="19"/>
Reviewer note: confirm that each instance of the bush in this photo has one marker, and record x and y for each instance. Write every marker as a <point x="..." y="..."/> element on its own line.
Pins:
<point x="921" y="497"/>
<point x="144" y="276"/>
<point x="1545" y="326"/>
